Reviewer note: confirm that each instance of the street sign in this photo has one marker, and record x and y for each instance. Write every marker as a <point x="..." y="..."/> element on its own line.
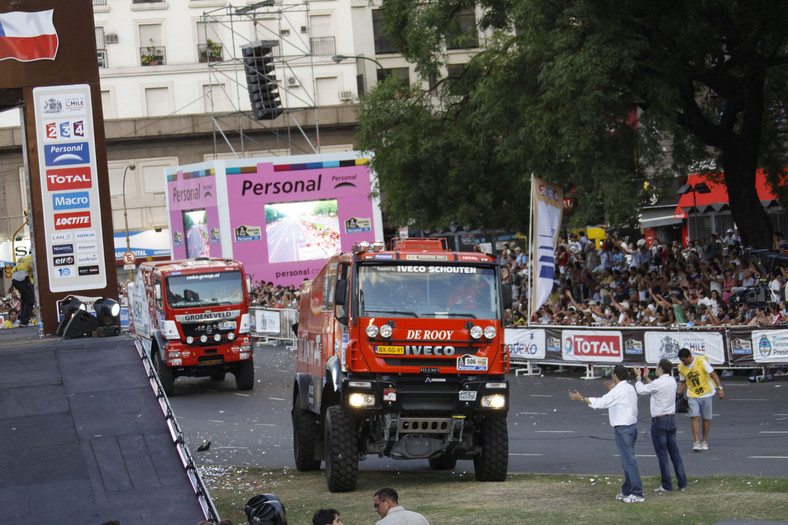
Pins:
<point x="129" y="258"/>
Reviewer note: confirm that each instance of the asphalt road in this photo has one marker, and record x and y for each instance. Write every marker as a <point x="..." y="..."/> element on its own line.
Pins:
<point x="548" y="433"/>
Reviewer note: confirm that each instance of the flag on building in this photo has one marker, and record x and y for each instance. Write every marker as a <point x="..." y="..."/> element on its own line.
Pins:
<point x="547" y="203"/>
<point x="27" y="36"/>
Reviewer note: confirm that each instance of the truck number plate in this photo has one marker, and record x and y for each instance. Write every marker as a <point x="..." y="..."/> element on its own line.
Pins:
<point x="390" y="350"/>
<point x="212" y="362"/>
<point x="467" y="395"/>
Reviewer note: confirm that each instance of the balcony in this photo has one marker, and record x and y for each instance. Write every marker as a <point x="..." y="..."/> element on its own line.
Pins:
<point x="145" y="1"/>
<point x="152" y="56"/>
<point x="99" y="2"/>
<point x="102" y="57"/>
<point x="323" y="46"/>
<point x="209" y="52"/>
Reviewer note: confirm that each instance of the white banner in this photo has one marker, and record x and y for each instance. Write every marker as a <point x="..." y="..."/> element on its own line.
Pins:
<point x="266" y="322"/>
<point x="525" y="344"/>
<point x="547" y="205"/>
<point x="770" y="346"/>
<point x="666" y="345"/>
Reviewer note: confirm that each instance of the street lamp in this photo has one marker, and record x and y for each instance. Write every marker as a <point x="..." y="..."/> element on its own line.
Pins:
<point x="700" y="187"/>
<point x="340" y="58"/>
<point x="131" y="167"/>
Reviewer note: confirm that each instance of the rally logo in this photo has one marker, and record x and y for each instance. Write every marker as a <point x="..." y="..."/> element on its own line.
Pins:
<point x="765" y="346"/>
<point x="70" y="201"/>
<point x="69" y="179"/>
<point x="63" y="261"/>
<point x="65" y="154"/>
<point x="59" y="249"/>
<point x="592" y="346"/>
<point x="741" y="346"/>
<point x="71" y="221"/>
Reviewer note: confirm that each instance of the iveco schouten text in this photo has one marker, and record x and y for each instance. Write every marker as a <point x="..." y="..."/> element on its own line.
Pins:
<point x="401" y="354"/>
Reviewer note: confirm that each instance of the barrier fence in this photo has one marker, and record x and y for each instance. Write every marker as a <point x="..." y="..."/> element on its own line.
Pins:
<point x="273" y="324"/>
<point x="729" y="347"/>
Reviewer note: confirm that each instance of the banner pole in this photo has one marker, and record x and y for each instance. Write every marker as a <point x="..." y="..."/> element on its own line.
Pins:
<point x="531" y="256"/>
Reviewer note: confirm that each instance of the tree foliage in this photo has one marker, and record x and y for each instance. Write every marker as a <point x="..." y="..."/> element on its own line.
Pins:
<point x="552" y="92"/>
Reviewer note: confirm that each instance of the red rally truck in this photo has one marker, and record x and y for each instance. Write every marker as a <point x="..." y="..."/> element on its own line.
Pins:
<point x="192" y="317"/>
<point x="401" y="354"/>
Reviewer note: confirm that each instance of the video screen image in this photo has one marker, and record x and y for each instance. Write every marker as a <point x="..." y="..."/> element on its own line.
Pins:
<point x="195" y="229"/>
<point x="302" y="231"/>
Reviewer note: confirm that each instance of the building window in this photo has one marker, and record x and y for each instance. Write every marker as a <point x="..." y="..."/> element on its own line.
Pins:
<point x="322" y="41"/>
<point x="157" y="101"/>
<point x="102" y="53"/>
<point x="383" y="43"/>
<point x="209" y="46"/>
<point x="323" y="46"/>
<point x="99" y="2"/>
<point x="403" y="73"/>
<point x="152" y="52"/>
<point x="465" y="35"/>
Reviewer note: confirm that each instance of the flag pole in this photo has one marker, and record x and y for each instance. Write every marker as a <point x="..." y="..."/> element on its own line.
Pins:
<point x="531" y="256"/>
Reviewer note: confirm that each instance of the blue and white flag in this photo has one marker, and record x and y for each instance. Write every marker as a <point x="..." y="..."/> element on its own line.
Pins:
<point x="546" y="208"/>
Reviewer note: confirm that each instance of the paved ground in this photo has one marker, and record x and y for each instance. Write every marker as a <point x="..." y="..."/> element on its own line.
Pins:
<point x="83" y="438"/>
<point x="548" y="433"/>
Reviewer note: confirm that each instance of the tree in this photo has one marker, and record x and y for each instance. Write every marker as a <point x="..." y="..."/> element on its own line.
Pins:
<point x="553" y="92"/>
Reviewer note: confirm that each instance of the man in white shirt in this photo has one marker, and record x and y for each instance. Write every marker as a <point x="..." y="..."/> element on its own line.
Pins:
<point x="622" y="404"/>
<point x="386" y="502"/>
<point x="663" y="421"/>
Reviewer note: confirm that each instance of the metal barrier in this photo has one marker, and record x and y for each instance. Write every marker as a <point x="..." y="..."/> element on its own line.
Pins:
<point x="274" y="324"/>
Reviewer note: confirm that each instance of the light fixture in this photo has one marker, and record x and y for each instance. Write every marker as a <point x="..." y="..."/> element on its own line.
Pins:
<point x="68" y="307"/>
<point x="108" y="317"/>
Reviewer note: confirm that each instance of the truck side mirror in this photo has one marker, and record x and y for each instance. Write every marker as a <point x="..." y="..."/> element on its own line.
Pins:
<point x="157" y="291"/>
<point x="506" y="292"/>
<point x="340" y="293"/>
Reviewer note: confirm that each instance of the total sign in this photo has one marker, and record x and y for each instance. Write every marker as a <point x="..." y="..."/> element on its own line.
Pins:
<point x="70" y="195"/>
<point x="592" y="346"/>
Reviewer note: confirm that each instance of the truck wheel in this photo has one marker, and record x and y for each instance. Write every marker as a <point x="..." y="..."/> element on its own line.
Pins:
<point x="165" y="373"/>
<point x="305" y="427"/>
<point x="341" y="451"/>
<point x="493" y="461"/>
<point x="444" y="462"/>
<point x="244" y="375"/>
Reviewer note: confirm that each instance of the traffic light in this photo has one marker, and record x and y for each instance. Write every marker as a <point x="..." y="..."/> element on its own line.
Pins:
<point x="258" y="60"/>
<point x="9" y="271"/>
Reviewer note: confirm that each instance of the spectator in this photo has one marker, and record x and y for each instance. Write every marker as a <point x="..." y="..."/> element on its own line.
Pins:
<point x="696" y="375"/>
<point x="22" y="280"/>
<point x="386" y="502"/>
<point x="12" y="321"/>
<point x="326" y="517"/>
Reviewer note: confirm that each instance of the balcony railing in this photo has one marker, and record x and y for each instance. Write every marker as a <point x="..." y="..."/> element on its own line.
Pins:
<point x="152" y="56"/>
<point x="99" y="2"/>
<point x="102" y="57"/>
<point x="323" y="46"/>
<point x="210" y="52"/>
<point x="146" y="1"/>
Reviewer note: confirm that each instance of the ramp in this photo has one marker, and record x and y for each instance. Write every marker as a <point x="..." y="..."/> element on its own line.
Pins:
<point x="86" y="438"/>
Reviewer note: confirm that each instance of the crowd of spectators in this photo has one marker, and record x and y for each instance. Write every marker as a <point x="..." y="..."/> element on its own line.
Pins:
<point x="269" y="295"/>
<point x="710" y="282"/>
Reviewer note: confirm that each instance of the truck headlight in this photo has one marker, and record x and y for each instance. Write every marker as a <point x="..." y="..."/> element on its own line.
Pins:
<point x="359" y="400"/>
<point x="372" y="331"/>
<point x="490" y="332"/>
<point x="476" y="332"/>
<point x="494" y="401"/>
<point x="385" y="331"/>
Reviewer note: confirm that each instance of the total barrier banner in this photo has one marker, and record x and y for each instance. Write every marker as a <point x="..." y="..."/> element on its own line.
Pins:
<point x="740" y="347"/>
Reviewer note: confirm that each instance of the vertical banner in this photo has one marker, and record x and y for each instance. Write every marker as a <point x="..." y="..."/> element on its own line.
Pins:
<point x="69" y="188"/>
<point x="546" y="205"/>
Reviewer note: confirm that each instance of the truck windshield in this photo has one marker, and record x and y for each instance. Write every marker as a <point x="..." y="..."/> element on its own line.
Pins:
<point x="427" y="290"/>
<point x="204" y="289"/>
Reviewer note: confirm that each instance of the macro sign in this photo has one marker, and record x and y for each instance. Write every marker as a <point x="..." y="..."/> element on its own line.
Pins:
<point x="70" y="194"/>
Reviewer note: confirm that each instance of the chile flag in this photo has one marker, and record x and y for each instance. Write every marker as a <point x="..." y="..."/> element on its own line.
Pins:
<point x="26" y="36"/>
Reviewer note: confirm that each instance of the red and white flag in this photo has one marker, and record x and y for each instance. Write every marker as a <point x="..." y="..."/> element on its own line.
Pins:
<point x="28" y="36"/>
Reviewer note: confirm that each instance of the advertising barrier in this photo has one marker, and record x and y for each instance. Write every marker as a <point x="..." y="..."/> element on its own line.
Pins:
<point x="274" y="324"/>
<point x="735" y="347"/>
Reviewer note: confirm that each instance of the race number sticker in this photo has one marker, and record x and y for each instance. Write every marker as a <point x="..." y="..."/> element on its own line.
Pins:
<point x="469" y="363"/>
<point x="467" y="395"/>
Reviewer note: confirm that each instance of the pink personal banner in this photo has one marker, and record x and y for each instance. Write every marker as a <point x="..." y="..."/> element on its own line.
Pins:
<point x="282" y="217"/>
<point x="28" y="36"/>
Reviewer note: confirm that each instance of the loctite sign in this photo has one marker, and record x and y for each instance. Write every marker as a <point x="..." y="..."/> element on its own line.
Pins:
<point x="591" y="346"/>
<point x="67" y="161"/>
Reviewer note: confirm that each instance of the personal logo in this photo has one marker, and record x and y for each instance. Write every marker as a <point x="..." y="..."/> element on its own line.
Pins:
<point x="71" y="201"/>
<point x="59" y="249"/>
<point x="72" y="221"/>
<point x="66" y="260"/>
<point x="765" y="346"/>
<point x="69" y="179"/>
<point x="66" y="154"/>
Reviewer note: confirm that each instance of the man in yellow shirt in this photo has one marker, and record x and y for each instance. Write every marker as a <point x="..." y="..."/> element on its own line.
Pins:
<point x="697" y="375"/>
<point x="11" y="322"/>
<point x="22" y="280"/>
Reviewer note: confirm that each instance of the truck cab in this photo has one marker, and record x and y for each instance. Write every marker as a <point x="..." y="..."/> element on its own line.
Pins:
<point x="401" y="354"/>
<point x="192" y="317"/>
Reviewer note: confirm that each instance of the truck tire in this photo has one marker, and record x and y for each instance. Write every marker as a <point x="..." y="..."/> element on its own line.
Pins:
<point x="341" y="451"/>
<point x="244" y="375"/>
<point x="305" y="427"/>
<point x="165" y="373"/>
<point x="492" y="463"/>
<point x="444" y="462"/>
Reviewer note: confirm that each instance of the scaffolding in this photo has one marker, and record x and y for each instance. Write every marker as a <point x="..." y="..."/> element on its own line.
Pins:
<point x="228" y="28"/>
